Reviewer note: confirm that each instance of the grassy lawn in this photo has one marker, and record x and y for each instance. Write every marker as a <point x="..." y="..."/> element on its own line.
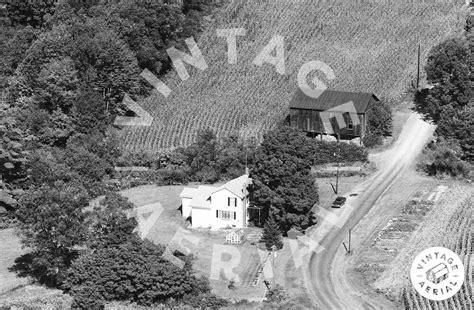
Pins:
<point x="10" y="248"/>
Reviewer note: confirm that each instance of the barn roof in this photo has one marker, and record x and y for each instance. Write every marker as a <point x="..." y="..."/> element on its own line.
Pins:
<point x="330" y="99"/>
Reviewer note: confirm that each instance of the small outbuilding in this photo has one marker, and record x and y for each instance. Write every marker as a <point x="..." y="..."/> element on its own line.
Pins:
<point x="234" y="237"/>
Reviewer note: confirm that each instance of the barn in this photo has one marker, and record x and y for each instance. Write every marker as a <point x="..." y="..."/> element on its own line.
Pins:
<point x="337" y="113"/>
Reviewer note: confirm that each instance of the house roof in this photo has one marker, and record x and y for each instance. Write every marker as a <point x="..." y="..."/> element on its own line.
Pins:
<point x="201" y="196"/>
<point x="187" y="192"/>
<point x="330" y="99"/>
<point x="237" y="186"/>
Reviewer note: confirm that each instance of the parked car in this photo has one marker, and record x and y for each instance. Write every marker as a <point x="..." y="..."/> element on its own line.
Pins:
<point x="339" y="202"/>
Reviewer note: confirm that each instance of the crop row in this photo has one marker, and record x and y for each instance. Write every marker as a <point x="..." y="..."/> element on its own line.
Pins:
<point x="459" y="238"/>
<point x="371" y="47"/>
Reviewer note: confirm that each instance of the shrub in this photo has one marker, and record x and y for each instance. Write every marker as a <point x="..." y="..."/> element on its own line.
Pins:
<point x="373" y="139"/>
<point x="443" y="158"/>
<point x="272" y="234"/>
<point x="379" y="118"/>
<point x="324" y="152"/>
<point x="173" y="176"/>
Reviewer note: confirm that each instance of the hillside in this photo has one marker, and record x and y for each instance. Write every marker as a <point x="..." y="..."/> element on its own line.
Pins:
<point x="371" y="47"/>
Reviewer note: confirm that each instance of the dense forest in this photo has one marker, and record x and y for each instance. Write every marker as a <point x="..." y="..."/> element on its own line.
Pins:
<point x="64" y="69"/>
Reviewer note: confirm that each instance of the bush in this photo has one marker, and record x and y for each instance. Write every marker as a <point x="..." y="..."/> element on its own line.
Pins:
<point x="443" y="158"/>
<point x="323" y="152"/>
<point x="373" y="140"/>
<point x="379" y="118"/>
<point x="272" y="235"/>
<point x="52" y="299"/>
<point x="173" y="176"/>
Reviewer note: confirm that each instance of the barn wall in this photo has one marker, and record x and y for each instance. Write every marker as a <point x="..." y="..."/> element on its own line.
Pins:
<point x="310" y="121"/>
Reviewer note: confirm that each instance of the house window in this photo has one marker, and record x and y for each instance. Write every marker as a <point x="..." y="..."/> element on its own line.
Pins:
<point x="231" y="202"/>
<point x="349" y="125"/>
<point x="226" y="215"/>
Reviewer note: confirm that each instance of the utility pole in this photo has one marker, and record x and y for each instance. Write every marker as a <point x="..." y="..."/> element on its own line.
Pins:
<point x="350" y="240"/>
<point x="338" y="164"/>
<point x="273" y="263"/>
<point x="418" y="70"/>
<point x="348" y="247"/>
<point x="335" y="189"/>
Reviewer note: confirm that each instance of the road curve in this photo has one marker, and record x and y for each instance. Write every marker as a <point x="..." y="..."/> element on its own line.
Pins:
<point x="329" y="286"/>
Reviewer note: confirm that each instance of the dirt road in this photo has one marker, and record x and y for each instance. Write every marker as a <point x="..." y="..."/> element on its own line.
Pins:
<point x="326" y="275"/>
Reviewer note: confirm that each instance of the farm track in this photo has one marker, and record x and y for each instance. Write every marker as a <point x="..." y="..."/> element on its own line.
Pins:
<point x="328" y="279"/>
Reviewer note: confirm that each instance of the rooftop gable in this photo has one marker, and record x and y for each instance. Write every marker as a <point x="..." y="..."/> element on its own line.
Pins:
<point x="330" y="99"/>
<point x="237" y="186"/>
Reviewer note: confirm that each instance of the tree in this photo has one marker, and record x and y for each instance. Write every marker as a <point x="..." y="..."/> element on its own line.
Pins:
<point x="449" y="70"/>
<point x="50" y="128"/>
<point x="448" y="103"/>
<point x="104" y="62"/>
<point x="32" y="13"/>
<point x="443" y="158"/>
<point x="234" y="156"/>
<point x="459" y="125"/>
<point x="150" y="28"/>
<point x="278" y="298"/>
<point x="134" y="271"/>
<point x="14" y="49"/>
<point x="202" y="156"/>
<point x="87" y="164"/>
<point x="282" y="179"/>
<point x="272" y="234"/>
<point x="89" y="113"/>
<point x="51" y="222"/>
<point x="48" y="46"/>
<point x="13" y="146"/>
<point x="57" y="85"/>
<point x="46" y="167"/>
<point x="379" y="123"/>
<point x="109" y="224"/>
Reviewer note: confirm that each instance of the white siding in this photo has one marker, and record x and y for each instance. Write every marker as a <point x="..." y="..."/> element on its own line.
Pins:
<point x="186" y="208"/>
<point x="201" y="218"/>
<point x="219" y="202"/>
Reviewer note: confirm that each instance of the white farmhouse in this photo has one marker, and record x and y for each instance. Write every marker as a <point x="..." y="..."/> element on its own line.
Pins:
<point x="217" y="207"/>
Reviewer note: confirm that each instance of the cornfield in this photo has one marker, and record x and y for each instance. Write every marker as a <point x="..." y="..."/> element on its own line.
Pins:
<point x="459" y="238"/>
<point x="370" y="45"/>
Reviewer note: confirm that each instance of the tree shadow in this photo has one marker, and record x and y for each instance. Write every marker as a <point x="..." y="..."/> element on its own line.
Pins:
<point x="23" y="266"/>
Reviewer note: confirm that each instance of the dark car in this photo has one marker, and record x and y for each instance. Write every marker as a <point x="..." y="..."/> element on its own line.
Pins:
<point x="339" y="202"/>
